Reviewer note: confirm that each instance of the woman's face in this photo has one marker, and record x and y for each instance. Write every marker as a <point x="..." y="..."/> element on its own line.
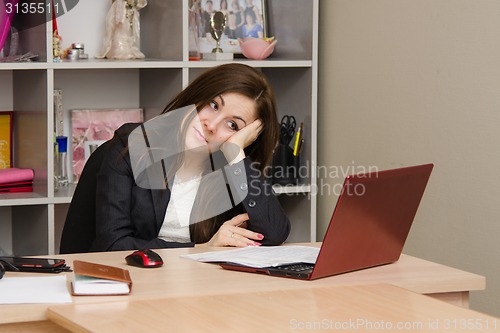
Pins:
<point x="250" y="19"/>
<point x="219" y="120"/>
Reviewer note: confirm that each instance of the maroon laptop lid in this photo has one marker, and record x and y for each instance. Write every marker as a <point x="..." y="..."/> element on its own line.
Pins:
<point x="372" y="219"/>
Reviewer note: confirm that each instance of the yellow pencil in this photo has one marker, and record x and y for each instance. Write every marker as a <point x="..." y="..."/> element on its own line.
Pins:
<point x="297" y="140"/>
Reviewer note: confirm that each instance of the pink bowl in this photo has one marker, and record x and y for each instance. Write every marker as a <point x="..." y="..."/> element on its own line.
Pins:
<point x="256" y="48"/>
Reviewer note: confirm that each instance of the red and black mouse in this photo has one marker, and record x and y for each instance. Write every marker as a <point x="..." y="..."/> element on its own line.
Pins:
<point x="144" y="258"/>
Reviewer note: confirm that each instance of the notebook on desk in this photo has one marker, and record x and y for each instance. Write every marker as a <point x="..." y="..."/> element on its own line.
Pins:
<point x="369" y="226"/>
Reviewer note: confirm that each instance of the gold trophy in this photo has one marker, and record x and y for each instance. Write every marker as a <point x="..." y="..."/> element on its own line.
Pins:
<point x="217" y="25"/>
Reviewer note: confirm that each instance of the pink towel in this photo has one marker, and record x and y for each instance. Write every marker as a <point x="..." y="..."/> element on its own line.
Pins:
<point x="13" y="175"/>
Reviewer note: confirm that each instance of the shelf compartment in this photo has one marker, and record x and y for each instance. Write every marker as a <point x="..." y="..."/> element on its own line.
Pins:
<point x="29" y="124"/>
<point x="294" y="94"/>
<point x="291" y="22"/>
<point x="30" y="230"/>
<point x="149" y="89"/>
<point x="298" y="209"/>
<point x="161" y="28"/>
<point x="32" y="35"/>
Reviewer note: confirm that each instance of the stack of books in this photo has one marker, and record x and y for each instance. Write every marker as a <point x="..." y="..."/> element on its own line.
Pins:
<point x="16" y="180"/>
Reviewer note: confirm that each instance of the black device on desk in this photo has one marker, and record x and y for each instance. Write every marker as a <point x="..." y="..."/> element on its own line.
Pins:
<point x="144" y="258"/>
<point x="37" y="265"/>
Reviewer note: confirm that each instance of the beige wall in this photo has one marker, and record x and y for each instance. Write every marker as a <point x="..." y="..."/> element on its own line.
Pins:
<point x="405" y="82"/>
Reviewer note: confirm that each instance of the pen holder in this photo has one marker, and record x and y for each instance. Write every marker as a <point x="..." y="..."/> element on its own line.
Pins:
<point x="285" y="166"/>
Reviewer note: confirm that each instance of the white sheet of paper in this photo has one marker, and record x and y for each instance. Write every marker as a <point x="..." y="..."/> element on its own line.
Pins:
<point x="260" y="256"/>
<point x="34" y="289"/>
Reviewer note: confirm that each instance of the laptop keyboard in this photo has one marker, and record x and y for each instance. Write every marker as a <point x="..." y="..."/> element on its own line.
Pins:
<point x="296" y="267"/>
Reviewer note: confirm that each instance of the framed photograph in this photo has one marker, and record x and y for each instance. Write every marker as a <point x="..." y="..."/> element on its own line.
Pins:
<point x="90" y="128"/>
<point x="5" y="139"/>
<point x="244" y="18"/>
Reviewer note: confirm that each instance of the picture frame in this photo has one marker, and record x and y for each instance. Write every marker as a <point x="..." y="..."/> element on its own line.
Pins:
<point x="6" y="129"/>
<point x="236" y="12"/>
<point x="92" y="127"/>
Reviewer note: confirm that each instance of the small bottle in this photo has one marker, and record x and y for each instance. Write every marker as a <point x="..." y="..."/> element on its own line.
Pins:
<point x="56" y="181"/>
<point x="61" y="159"/>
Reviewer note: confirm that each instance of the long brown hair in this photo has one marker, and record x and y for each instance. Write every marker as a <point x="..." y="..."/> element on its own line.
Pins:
<point x="249" y="82"/>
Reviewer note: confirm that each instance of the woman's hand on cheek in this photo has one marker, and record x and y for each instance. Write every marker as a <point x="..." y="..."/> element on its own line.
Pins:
<point x="233" y="147"/>
<point x="247" y="135"/>
<point x="232" y="233"/>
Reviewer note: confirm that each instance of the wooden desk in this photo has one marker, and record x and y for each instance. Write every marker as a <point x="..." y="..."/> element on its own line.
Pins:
<point x="367" y="308"/>
<point x="183" y="277"/>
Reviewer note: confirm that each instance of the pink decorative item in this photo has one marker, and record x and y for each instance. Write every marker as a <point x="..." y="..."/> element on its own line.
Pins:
<point x="256" y="48"/>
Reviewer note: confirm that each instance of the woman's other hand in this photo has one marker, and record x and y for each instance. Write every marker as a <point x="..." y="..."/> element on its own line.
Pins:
<point x="234" y="233"/>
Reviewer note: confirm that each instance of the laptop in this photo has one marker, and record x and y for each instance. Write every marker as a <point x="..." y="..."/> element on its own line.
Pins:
<point x="369" y="225"/>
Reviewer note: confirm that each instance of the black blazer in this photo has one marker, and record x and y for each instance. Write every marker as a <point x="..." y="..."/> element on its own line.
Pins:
<point x="130" y="217"/>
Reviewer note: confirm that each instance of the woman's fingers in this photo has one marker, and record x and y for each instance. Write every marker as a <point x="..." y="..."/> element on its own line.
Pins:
<point x="236" y="234"/>
<point x="253" y="131"/>
<point x="256" y="126"/>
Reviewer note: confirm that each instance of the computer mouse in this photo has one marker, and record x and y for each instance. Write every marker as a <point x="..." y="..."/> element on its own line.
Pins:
<point x="144" y="258"/>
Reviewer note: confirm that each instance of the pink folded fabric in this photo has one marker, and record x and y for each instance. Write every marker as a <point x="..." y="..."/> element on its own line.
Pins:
<point x="12" y="175"/>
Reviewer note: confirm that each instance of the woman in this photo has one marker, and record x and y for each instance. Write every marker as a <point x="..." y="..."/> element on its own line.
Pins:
<point x="206" y="15"/>
<point x="223" y="7"/>
<point x="232" y="30"/>
<point x="235" y="119"/>
<point x="252" y="28"/>
<point x="236" y="10"/>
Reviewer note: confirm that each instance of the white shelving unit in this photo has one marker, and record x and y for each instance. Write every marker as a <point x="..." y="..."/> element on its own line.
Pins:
<point x="31" y="223"/>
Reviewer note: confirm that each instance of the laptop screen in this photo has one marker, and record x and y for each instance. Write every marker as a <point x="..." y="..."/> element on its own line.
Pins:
<point x="372" y="219"/>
